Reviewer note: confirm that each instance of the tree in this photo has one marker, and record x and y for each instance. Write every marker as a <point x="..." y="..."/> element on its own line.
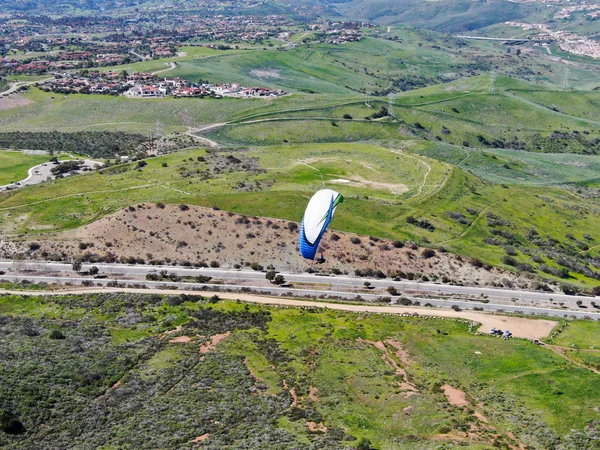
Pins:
<point x="94" y="270"/>
<point x="270" y="275"/>
<point x="364" y="444"/>
<point x="56" y="334"/>
<point x="279" y="280"/>
<point x="76" y="265"/>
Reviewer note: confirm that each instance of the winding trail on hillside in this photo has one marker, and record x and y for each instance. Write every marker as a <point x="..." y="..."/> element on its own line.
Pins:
<point x="192" y="130"/>
<point x="519" y="326"/>
<point x="420" y="190"/>
<point x="562" y="351"/>
<point x="172" y="65"/>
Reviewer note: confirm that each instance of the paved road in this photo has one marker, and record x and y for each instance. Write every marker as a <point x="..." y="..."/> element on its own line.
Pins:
<point x="40" y="173"/>
<point x="120" y="277"/>
<point x="335" y="281"/>
<point x="15" y="86"/>
<point x="483" y="38"/>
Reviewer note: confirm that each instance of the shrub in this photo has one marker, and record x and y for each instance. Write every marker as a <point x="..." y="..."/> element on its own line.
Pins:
<point x="184" y="207"/>
<point x="56" y="334"/>
<point x="398" y="244"/>
<point x="509" y="260"/>
<point x="428" y="253"/>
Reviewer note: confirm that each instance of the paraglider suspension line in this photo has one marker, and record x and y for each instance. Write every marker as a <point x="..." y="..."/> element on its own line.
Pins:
<point x="320" y="174"/>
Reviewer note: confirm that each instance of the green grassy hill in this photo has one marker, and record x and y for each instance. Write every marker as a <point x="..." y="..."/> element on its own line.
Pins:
<point x="405" y="192"/>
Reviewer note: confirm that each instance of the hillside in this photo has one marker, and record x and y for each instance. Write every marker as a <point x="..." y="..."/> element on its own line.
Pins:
<point x="450" y="16"/>
<point x="187" y="235"/>
<point x="400" y="193"/>
<point x="226" y="374"/>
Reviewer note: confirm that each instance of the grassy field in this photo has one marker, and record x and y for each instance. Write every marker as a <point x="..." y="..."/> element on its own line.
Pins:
<point x="343" y="369"/>
<point x="582" y="334"/>
<point x="14" y="165"/>
<point x="518" y="167"/>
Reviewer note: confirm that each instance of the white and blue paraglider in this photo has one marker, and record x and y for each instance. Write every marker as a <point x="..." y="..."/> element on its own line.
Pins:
<point x="317" y="216"/>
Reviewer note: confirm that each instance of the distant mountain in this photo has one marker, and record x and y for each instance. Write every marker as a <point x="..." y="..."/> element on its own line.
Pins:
<point x="448" y="16"/>
<point x="444" y="15"/>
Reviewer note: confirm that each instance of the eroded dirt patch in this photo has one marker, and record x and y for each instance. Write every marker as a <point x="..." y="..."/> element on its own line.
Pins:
<point x="455" y="397"/>
<point x="14" y="101"/>
<point x="314" y="427"/>
<point x="313" y="394"/>
<point x="210" y="345"/>
<point x="199" y="439"/>
<point x="266" y="73"/>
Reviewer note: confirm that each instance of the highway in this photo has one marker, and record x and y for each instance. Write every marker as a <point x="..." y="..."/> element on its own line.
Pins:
<point x="335" y="281"/>
<point x="342" y="287"/>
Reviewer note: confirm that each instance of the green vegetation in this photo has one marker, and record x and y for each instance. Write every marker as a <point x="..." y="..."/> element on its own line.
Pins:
<point x="113" y="362"/>
<point x="95" y="144"/>
<point x="581" y="333"/>
<point x="14" y="165"/>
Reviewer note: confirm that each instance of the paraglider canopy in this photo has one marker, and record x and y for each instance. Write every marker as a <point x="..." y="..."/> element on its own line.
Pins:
<point x="317" y="216"/>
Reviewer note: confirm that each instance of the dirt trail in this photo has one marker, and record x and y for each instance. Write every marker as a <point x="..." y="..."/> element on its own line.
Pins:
<point x="563" y="352"/>
<point x="519" y="327"/>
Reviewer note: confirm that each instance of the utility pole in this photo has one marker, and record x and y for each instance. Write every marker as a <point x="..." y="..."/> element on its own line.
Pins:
<point x="391" y="106"/>
<point x="492" y="89"/>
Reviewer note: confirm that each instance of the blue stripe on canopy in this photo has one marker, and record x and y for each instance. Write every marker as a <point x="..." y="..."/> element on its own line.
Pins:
<point x="308" y="250"/>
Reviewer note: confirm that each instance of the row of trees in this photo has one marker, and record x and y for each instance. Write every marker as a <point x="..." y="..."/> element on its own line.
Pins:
<point x="96" y="144"/>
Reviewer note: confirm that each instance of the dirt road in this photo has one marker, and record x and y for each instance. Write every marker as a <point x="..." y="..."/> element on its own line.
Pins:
<point x="519" y="327"/>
